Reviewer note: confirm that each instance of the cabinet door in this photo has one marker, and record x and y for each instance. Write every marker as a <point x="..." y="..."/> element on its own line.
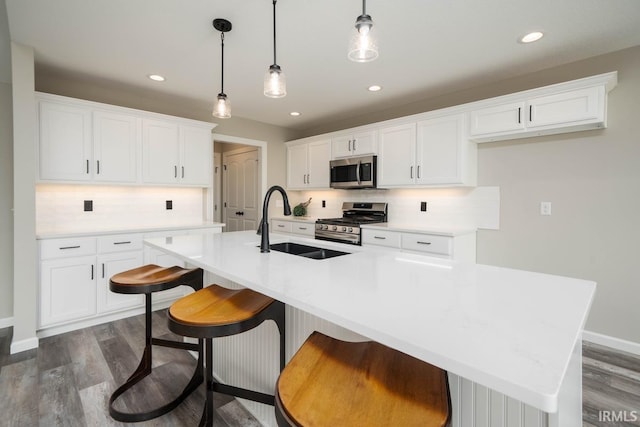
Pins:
<point x="364" y="143"/>
<point x="397" y="156"/>
<point x="279" y="226"/>
<point x="67" y="289"/>
<point x="297" y="166"/>
<point x="109" y="265"/>
<point x="566" y="108"/>
<point x="318" y="157"/>
<point x="341" y="146"/>
<point x="160" y="151"/>
<point x="65" y="142"/>
<point x="115" y="147"/>
<point x="196" y="156"/>
<point x="439" y="150"/>
<point x="502" y="118"/>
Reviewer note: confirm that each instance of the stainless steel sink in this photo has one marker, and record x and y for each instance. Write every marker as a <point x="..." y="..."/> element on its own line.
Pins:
<point x="306" y="251"/>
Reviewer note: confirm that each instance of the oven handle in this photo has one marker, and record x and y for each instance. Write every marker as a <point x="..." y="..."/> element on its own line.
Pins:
<point x="358" y="171"/>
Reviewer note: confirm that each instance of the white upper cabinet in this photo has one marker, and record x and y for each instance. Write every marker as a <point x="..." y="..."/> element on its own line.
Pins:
<point x="431" y="152"/>
<point x="65" y="148"/>
<point x="115" y="147"/>
<point x="160" y="152"/>
<point x="83" y="141"/>
<point x="196" y="154"/>
<point x="354" y="144"/>
<point x="175" y="153"/>
<point x="565" y="107"/>
<point x="308" y="165"/>
<point x="397" y="156"/>
<point x="444" y="154"/>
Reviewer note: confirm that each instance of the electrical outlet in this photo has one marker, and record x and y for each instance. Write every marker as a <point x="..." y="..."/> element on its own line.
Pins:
<point x="545" y="208"/>
<point x="423" y="206"/>
<point x="324" y="203"/>
<point x="169" y="204"/>
<point x="88" y="205"/>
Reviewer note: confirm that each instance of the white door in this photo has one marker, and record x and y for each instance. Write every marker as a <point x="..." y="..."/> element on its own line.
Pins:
<point x="241" y="194"/>
<point x="160" y="152"/>
<point x="217" y="186"/>
<point x="109" y="265"/>
<point x="439" y="150"/>
<point x="65" y="142"/>
<point x="397" y="156"/>
<point x="114" y="147"/>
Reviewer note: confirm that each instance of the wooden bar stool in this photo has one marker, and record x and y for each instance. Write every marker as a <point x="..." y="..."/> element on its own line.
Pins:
<point x="146" y="280"/>
<point x="214" y="312"/>
<point x="336" y="383"/>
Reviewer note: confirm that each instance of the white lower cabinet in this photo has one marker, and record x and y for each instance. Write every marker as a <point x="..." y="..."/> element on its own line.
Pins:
<point x="460" y="247"/>
<point x="302" y="228"/>
<point x="67" y="289"/>
<point x="109" y="265"/>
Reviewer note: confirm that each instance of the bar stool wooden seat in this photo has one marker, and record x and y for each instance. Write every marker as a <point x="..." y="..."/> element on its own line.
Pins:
<point x="214" y="312"/>
<point x="336" y="383"/>
<point x="146" y="280"/>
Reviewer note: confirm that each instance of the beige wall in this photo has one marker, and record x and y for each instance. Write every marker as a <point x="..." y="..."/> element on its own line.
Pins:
<point x="6" y="202"/>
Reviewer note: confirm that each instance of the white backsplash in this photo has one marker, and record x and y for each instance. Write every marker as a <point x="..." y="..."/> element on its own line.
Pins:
<point x="446" y="207"/>
<point x="62" y="206"/>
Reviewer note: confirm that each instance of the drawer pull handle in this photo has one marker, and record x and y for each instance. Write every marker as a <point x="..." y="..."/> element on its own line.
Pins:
<point x="379" y="237"/>
<point x="280" y="225"/>
<point x="423" y="243"/>
<point x="69" y="247"/>
<point x="302" y="228"/>
<point x="122" y="243"/>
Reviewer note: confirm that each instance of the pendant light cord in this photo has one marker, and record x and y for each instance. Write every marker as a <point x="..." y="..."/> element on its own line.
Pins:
<point x="364" y="7"/>
<point x="222" y="77"/>
<point x="274" y="32"/>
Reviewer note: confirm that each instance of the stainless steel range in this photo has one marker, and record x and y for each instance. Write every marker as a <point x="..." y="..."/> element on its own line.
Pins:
<point x="347" y="228"/>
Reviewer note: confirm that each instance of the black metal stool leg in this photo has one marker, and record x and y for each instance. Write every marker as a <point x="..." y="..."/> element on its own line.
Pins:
<point x="144" y="369"/>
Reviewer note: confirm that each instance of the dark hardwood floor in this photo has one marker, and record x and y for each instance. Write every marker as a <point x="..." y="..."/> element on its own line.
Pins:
<point x="67" y="381"/>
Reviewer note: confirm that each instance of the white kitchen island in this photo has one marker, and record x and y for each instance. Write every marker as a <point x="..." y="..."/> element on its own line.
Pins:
<point x="516" y="333"/>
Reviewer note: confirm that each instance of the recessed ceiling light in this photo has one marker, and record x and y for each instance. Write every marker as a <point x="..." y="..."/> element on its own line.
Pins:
<point x="294" y="113"/>
<point x="531" y="37"/>
<point x="374" y="88"/>
<point x="156" y="77"/>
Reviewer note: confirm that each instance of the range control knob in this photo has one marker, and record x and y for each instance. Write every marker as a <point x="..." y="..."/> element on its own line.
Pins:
<point x="325" y="227"/>
<point x="334" y="228"/>
<point x="344" y="228"/>
<point x="350" y="229"/>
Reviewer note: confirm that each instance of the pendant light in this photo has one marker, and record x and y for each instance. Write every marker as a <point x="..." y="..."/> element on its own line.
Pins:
<point x="275" y="84"/>
<point x="222" y="107"/>
<point x="363" y="46"/>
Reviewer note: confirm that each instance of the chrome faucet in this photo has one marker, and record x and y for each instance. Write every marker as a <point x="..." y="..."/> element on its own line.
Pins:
<point x="263" y="228"/>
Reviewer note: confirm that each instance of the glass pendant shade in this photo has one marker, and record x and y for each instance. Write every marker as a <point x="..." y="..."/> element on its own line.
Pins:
<point x="363" y="45"/>
<point x="222" y="107"/>
<point x="275" y="82"/>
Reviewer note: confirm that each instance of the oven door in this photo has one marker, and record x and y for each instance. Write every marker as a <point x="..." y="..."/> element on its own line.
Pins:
<point x="338" y="237"/>
<point x="354" y="172"/>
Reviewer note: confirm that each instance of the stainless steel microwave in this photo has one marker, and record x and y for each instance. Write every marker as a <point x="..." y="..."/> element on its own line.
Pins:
<point x="354" y="172"/>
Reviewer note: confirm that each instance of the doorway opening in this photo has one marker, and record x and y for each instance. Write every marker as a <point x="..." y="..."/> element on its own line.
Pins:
<point x="239" y="181"/>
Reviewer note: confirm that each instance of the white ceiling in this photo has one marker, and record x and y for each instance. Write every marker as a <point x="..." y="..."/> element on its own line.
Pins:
<point x="427" y="47"/>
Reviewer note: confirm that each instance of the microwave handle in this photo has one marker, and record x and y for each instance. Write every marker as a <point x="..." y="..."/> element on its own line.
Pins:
<point x="358" y="172"/>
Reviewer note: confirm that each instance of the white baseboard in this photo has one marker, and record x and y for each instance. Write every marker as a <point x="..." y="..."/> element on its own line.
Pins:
<point x="24" y="345"/>
<point x="613" y="342"/>
<point x="6" y="322"/>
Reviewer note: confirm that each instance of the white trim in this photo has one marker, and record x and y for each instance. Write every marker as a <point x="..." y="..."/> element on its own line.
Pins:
<point x="6" y="322"/>
<point x="24" y="345"/>
<point x="613" y="342"/>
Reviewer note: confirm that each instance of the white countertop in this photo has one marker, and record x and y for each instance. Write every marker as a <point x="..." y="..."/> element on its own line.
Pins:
<point x="414" y="228"/>
<point x="512" y="331"/>
<point x="105" y="229"/>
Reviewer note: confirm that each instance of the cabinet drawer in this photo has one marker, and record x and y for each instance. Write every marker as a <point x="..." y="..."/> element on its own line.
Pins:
<point x="441" y="245"/>
<point x="303" y="228"/>
<point x="281" y="226"/>
<point x="61" y="248"/>
<point x="381" y="238"/>
<point x="119" y="243"/>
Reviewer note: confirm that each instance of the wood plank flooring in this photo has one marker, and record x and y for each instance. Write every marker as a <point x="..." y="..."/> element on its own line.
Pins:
<point x="67" y="381"/>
